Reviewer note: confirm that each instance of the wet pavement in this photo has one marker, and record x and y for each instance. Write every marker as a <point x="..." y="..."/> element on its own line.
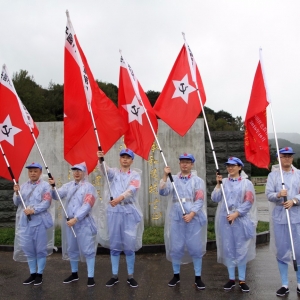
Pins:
<point x="262" y="207"/>
<point x="152" y="271"/>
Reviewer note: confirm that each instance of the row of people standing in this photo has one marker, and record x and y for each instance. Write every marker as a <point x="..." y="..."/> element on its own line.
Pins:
<point x="120" y="226"/>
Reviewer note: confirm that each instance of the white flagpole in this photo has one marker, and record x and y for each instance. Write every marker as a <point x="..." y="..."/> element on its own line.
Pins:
<point x="50" y="176"/>
<point x="13" y="178"/>
<point x="136" y="91"/>
<point x="280" y="167"/>
<point x="192" y="64"/>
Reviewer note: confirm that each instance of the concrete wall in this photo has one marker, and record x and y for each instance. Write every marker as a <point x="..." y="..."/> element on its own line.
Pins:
<point x="50" y="141"/>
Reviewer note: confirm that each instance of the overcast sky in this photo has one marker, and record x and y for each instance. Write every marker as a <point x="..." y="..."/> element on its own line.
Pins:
<point x="224" y="36"/>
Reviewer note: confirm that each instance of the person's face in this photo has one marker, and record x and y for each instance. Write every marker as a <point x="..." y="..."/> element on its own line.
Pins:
<point x="233" y="170"/>
<point x="126" y="161"/>
<point x="78" y="175"/>
<point x="185" y="165"/>
<point x="34" y="174"/>
<point x="286" y="160"/>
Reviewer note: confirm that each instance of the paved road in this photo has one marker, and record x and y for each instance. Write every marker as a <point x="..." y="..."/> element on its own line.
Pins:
<point x="262" y="207"/>
<point x="152" y="272"/>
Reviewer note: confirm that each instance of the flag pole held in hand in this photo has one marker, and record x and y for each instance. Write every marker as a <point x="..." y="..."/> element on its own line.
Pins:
<point x="193" y="70"/>
<point x="280" y="167"/>
<point x="135" y="86"/>
<point x="14" y="180"/>
<point x="50" y="176"/>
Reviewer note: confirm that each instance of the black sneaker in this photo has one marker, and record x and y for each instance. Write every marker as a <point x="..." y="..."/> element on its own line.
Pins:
<point x="282" y="291"/>
<point x="91" y="282"/>
<point x="174" y="281"/>
<point x="199" y="283"/>
<point x="71" y="278"/>
<point x="30" y="279"/>
<point x="38" y="279"/>
<point x="298" y="291"/>
<point x="132" y="283"/>
<point x="244" y="287"/>
<point x="112" y="281"/>
<point x="229" y="285"/>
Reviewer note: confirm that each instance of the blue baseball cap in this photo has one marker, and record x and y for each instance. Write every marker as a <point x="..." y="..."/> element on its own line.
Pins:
<point x="128" y="152"/>
<point x="286" y="150"/>
<point x="233" y="161"/>
<point x="79" y="167"/>
<point x="187" y="156"/>
<point x="34" y="165"/>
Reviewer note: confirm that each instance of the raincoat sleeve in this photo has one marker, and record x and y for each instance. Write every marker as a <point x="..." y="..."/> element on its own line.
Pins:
<point x="271" y="189"/>
<point x="17" y="199"/>
<point x="248" y="200"/>
<point x="46" y="200"/>
<point x="165" y="188"/>
<point x="62" y="191"/>
<point x="216" y="195"/>
<point x="88" y="203"/>
<point x="110" y="171"/>
<point x="198" y="198"/>
<point x="133" y="186"/>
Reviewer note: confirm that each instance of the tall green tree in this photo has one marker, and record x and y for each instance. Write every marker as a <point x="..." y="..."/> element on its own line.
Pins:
<point x="32" y="95"/>
<point x="110" y="90"/>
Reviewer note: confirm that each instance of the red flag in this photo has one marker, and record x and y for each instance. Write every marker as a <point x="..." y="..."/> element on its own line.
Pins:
<point x="15" y="135"/>
<point x="81" y="92"/>
<point x="178" y="104"/>
<point x="131" y="97"/>
<point x="256" y="131"/>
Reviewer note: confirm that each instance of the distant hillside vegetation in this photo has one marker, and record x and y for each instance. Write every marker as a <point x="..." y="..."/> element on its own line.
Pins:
<point x="285" y="143"/>
<point x="290" y="136"/>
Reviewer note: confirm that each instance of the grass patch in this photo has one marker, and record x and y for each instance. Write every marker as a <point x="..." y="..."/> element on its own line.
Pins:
<point x="7" y="236"/>
<point x="262" y="226"/>
<point x="259" y="188"/>
<point x="152" y="234"/>
<point x="57" y="241"/>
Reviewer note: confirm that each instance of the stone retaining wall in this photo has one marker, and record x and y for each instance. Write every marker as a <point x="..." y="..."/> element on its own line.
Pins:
<point x="195" y="141"/>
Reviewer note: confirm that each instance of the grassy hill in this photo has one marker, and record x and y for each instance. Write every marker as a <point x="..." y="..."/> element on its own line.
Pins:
<point x="289" y="136"/>
<point x="285" y="143"/>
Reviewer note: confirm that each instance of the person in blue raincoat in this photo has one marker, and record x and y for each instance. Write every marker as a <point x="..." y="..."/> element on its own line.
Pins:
<point x="31" y="238"/>
<point x="185" y="235"/>
<point x="235" y="241"/>
<point x="79" y="197"/>
<point x="280" y="242"/>
<point x="123" y="225"/>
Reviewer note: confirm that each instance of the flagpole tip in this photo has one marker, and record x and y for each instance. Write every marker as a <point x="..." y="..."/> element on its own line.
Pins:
<point x="67" y="13"/>
<point x="183" y="34"/>
<point x="120" y="51"/>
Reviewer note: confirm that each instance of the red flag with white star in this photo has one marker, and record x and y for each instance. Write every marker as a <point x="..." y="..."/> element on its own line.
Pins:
<point x="178" y="104"/>
<point x="81" y="91"/>
<point x="256" y="131"/>
<point x="15" y="136"/>
<point x="131" y="97"/>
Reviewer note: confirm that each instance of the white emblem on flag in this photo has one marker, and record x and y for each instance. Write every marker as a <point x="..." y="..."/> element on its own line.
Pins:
<point x="7" y="131"/>
<point x="183" y="89"/>
<point x="135" y="111"/>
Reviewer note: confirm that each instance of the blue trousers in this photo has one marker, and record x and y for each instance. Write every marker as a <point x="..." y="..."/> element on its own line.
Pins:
<point x="90" y="263"/>
<point x="84" y="243"/>
<point x="33" y="241"/>
<point x="197" y="266"/>
<point x="115" y="259"/>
